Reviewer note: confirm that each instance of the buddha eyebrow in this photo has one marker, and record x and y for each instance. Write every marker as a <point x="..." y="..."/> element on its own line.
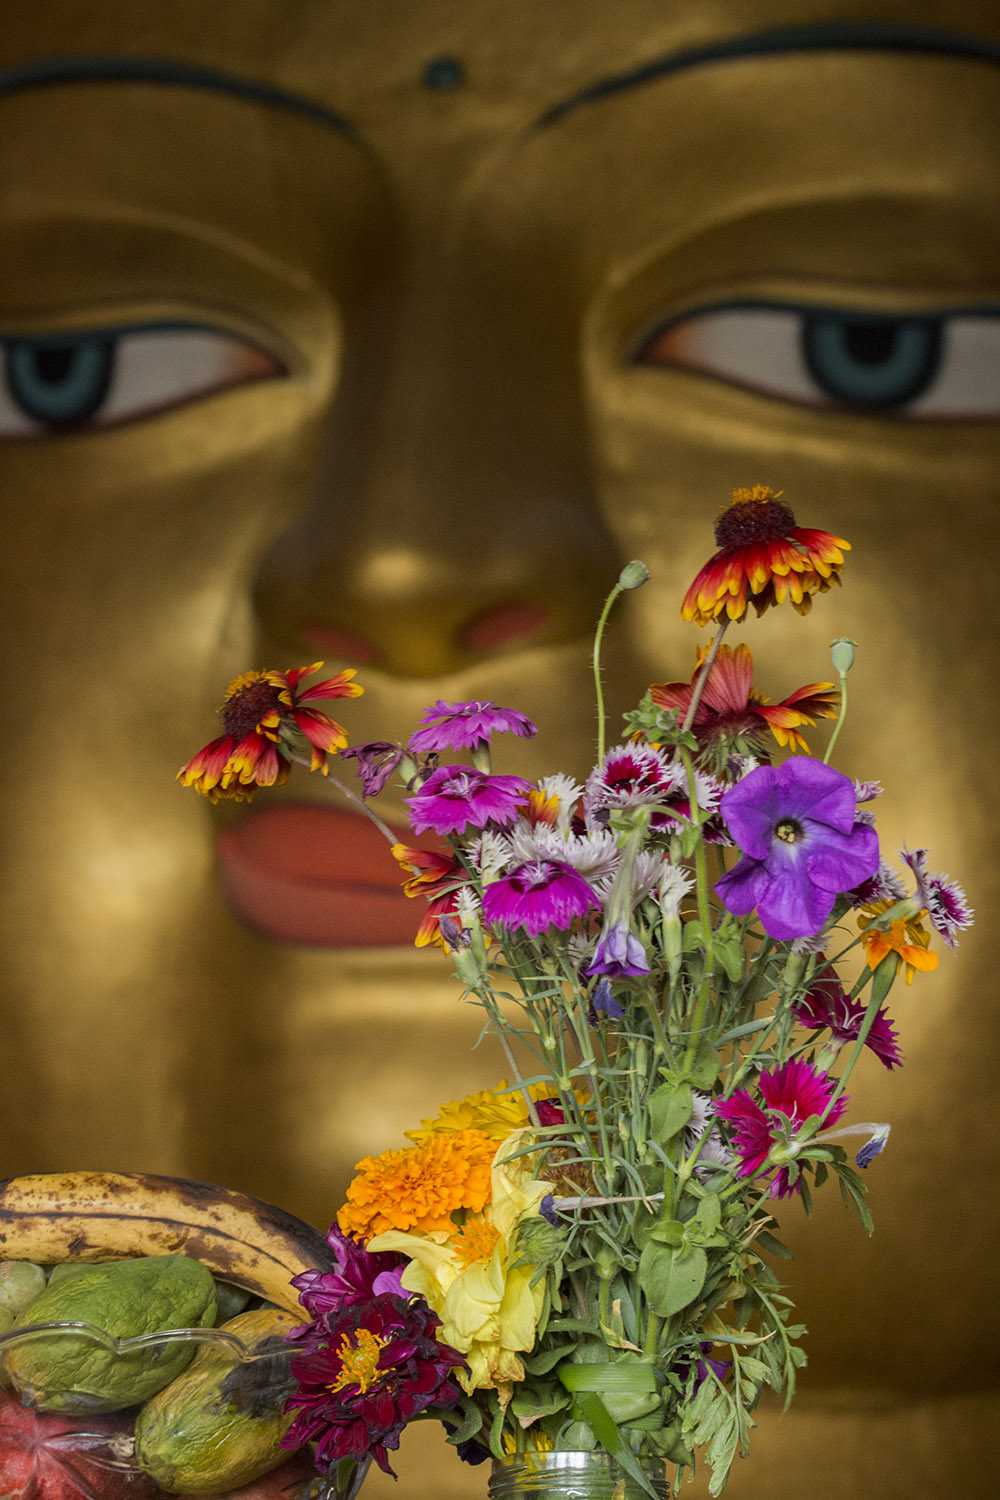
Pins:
<point x="85" y="68"/>
<point x="847" y="36"/>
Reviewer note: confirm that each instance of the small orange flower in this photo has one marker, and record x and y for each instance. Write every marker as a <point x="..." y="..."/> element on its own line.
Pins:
<point x="763" y="559"/>
<point x="731" y="709"/>
<point x="907" y="938"/>
<point x="420" y="1187"/>
<point x="263" y="715"/>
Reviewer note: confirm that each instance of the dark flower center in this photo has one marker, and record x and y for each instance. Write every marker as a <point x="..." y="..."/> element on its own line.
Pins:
<point x="253" y="701"/>
<point x="789" y="831"/>
<point x="760" y="519"/>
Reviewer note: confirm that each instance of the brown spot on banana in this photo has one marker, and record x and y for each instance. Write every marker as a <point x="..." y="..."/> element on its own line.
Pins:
<point x="94" y="1216"/>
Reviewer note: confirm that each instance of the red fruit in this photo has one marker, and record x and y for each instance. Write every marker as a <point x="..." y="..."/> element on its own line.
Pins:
<point x="44" y="1456"/>
<point x="48" y="1457"/>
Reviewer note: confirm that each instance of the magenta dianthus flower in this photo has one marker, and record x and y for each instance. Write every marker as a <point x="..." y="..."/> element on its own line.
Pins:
<point x="366" y="1372"/>
<point x="466" y="726"/>
<point x="803" y="844"/>
<point x="828" y="1005"/>
<point x="792" y="1094"/>
<point x="538" y="895"/>
<point x="454" y="798"/>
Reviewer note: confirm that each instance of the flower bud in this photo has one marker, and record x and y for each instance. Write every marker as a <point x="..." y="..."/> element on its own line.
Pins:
<point x="633" y="575"/>
<point x="842" y="652"/>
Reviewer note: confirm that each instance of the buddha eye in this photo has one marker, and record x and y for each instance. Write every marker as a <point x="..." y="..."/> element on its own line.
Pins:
<point x="935" y="365"/>
<point x="104" y="377"/>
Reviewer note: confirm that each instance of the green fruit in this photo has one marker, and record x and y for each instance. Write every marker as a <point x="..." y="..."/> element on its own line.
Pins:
<point x="21" y="1281"/>
<point x="231" y="1300"/>
<point x="71" y="1372"/>
<point x="220" y="1424"/>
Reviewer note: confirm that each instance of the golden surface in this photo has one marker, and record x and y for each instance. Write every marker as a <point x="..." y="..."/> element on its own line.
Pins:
<point x="456" y="293"/>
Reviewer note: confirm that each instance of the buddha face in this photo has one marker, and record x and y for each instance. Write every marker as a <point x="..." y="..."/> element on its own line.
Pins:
<point x="385" y="335"/>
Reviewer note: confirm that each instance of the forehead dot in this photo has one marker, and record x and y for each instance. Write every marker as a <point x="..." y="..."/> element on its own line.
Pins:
<point x="443" y="73"/>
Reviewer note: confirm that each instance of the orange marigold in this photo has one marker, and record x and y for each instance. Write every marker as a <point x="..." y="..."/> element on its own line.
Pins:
<point x="420" y="1187"/>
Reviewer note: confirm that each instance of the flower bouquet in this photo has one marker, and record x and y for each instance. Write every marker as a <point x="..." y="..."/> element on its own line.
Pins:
<point x="683" y="959"/>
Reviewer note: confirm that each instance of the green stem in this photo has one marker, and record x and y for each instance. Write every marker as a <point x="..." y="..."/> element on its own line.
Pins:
<point x="598" y="688"/>
<point x="705" y="916"/>
<point x="840" y="719"/>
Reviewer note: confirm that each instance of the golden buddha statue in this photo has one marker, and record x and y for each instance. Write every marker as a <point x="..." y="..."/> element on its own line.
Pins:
<point x="385" y="334"/>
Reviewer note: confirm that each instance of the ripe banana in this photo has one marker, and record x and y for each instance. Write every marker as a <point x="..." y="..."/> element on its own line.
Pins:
<point x="92" y="1216"/>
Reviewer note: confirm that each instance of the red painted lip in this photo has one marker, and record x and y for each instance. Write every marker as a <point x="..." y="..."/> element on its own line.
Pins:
<point x="317" y="876"/>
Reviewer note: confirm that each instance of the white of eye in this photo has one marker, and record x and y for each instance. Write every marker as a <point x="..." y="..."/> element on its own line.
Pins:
<point x="152" y="370"/>
<point x="762" y="348"/>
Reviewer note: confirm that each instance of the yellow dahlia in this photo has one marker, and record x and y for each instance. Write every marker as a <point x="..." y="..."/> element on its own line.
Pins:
<point x="763" y="559"/>
<point x="488" y="1308"/>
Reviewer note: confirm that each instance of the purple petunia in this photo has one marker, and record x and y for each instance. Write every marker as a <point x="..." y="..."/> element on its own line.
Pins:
<point x="454" y="798"/>
<point x="828" y="1005"/>
<point x="363" y="1374"/>
<point x="792" y="1094"/>
<point x="466" y="726"/>
<point x="538" y="895"/>
<point x="802" y="843"/>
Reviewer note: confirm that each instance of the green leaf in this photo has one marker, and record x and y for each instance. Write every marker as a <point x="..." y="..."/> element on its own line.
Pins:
<point x="543" y="1360"/>
<point x="532" y="1402"/>
<point x="709" y="1214"/>
<point x="605" y="1430"/>
<point x="468" y="1425"/>
<point x="773" y="1246"/>
<point x="670" y="1109"/>
<point x="885" y="974"/>
<point x="852" y="1190"/>
<point x="706" y="1066"/>
<point x="694" y="936"/>
<point x="667" y="1232"/>
<point x="728" y="952"/>
<point x="670" y="1278"/>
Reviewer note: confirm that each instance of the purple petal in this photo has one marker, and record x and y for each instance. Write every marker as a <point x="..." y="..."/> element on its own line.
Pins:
<point x="811" y="790"/>
<point x="750" y="810"/>
<point x="738" y="891"/>
<point x="837" y="861"/>
<point x="791" y="905"/>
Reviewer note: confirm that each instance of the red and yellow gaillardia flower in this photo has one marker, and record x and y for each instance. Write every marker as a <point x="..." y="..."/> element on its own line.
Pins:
<point x="763" y="559"/>
<point x="263" y="716"/>
<point x="731" y="709"/>
<point x="437" y="876"/>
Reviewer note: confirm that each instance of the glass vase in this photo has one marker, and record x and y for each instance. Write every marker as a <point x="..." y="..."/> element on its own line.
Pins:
<point x="571" y="1476"/>
<point x="214" y="1415"/>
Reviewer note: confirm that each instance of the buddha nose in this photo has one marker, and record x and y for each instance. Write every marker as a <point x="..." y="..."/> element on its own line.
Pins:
<point x="455" y="518"/>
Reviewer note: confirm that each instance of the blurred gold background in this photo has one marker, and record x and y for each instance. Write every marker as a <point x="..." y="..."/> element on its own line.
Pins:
<point x="375" y="279"/>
